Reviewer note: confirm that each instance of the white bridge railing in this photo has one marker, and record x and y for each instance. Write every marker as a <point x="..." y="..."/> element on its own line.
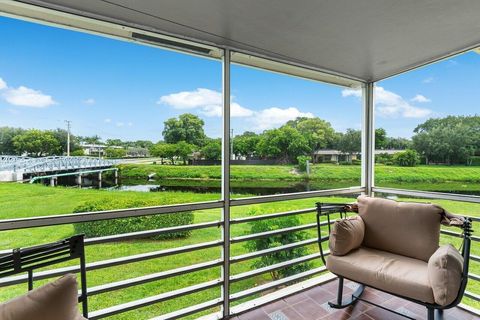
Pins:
<point x="28" y="165"/>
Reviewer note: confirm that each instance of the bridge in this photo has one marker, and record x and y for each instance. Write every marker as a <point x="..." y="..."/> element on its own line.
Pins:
<point x="19" y="168"/>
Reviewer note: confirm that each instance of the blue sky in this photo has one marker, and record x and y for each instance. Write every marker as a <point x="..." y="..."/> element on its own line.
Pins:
<point x="122" y="90"/>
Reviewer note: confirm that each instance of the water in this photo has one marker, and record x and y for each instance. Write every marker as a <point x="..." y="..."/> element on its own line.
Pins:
<point x="253" y="187"/>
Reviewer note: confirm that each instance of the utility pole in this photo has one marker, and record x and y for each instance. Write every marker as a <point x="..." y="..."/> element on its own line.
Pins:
<point x="68" y="122"/>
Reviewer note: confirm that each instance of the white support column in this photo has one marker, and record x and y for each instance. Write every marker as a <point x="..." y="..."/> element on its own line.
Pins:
<point x="226" y="183"/>
<point x="368" y="138"/>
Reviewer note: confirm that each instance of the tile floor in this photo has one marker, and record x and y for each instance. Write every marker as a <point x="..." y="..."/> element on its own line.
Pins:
<point x="312" y="305"/>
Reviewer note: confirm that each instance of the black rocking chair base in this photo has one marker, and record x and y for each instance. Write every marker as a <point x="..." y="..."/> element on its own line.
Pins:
<point x="354" y="298"/>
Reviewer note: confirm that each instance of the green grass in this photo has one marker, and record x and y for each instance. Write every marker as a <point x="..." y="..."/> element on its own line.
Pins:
<point x="326" y="172"/>
<point x="24" y="200"/>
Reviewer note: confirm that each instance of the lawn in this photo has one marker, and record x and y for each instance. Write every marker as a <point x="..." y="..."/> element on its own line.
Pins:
<point x="24" y="200"/>
<point x="326" y="172"/>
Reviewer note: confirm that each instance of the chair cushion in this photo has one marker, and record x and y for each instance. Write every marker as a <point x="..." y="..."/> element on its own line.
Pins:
<point x="386" y="271"/>
<point x="445" y="274"/>
<point x="408" y="229"/>
<point x="346" y="235"/>
<point x="57" y="300"/>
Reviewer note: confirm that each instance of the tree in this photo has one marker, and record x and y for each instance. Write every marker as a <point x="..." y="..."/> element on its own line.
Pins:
<point x="380" y="138"/>
<point x="450" y="140"/>
<point x="184" y="150"/>
<point x="407" y="158"/>
<point x="62" y="136"/>
<point x="318" y="133"/>
<point x="6" y="139"/>
<point x="212" y="150"/>
<point x="246" y="144"/>
<point x="350" y="142"/>
<point x="36" y="143"/>
<point x="398" y="143"/>
<point x="284" y="144"/>
<point x="114" y="142"/>
<point x="187" y="128"/>
<point x="164" y="151"/>
<point x="91" y="140"/>
<point x="111" y="152"/>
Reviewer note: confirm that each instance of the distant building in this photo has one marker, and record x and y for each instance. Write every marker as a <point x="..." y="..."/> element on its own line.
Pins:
<point x="336" y="156"/>
<point x="96" y="150"/>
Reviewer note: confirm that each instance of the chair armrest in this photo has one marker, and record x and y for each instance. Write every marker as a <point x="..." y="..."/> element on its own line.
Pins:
<point x="346" y="235"/>
<point x="445" y="271"/>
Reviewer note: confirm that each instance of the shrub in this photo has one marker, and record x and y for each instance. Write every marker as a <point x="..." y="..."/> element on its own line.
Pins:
<point x="474" y="161"/>
<point x="407" y="158"/>
<point x="125" y="225"/>
<point x="275" y="241"/>
<point x="356" y="161"/>
<point x="302" y="162"/>
<point x="384" y="158"/>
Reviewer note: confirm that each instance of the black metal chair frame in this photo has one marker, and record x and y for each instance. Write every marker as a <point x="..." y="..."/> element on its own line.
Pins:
<point x="28" y="259"/>
<point x="434" y="311"/>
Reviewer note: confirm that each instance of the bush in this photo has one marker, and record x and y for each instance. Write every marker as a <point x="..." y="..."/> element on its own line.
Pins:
<point x="125" y="225"/>
<point x="302" y="162"/>
<point x="77" y="153"/>
<point x="407" y="158"/>
<point x="384" y="158"/>
<point x="474" y="161"/>
<point x="275" y="241"/>
<point x="356" y="162"/>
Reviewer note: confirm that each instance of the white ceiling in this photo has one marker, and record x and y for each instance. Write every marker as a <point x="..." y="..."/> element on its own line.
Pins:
<point x="363" y="39"/>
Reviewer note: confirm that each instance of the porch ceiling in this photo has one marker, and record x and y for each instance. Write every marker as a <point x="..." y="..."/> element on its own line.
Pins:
<point x="364" y="39"/>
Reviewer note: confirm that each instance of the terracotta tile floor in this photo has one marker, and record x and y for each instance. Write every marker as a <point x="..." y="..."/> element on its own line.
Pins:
<point x="312" y="305"/>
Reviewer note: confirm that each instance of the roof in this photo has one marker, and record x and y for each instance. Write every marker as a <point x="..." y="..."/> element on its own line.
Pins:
<point x="367" y="40"/>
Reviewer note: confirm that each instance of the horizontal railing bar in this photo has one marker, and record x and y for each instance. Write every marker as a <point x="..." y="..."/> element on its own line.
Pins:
<point x="103" y="313"/>
<point x="260" y="253"/>
<point x="472" y="295"/>
<point x="149" y="233"/>
<point x="474" y="258"/>
<point x="276" y="283"/>
<point x="458" y="235"/>
<point x="429" y="194"/>
<point x="474" y="276"/>
<point x="273" y="232"/>
<point x="22" y="223"/>
<point x="153" y="277"/>
<point x="295" y="196"/>
<point x="190" y="310"/>
<point x="252" y="273"/>
<point x="108" y="263"/>
<point x="271" y="216"/>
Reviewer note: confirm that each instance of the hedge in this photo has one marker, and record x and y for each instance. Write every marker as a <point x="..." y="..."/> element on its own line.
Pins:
<point x="125" y="225"/>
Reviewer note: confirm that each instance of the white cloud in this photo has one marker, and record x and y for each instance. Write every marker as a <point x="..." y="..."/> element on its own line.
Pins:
<point x="23" y="96"/>
<point x="3" y="84"/>
<point x="208" y="101"/>
<point x="273" y="117"/>
<point x="89" y="101"/>
<point x="130" y="124"/>
<point x="119" y="124"/>
<point x="107" y="120"/>
<point x="428" y="80"/>
<point x="420" y="98"/>
<point x="391" y="105"/>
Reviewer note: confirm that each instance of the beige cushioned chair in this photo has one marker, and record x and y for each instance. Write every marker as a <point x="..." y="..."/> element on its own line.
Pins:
<point x="57" y="300"/>
<point x="394" y="247"/>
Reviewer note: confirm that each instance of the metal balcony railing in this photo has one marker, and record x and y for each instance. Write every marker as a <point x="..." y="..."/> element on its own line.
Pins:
<point x="222" y="261"/>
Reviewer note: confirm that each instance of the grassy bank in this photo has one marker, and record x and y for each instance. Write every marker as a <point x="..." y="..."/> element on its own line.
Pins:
<point x="24" y="200"/>
<point x="327" y="172"/>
